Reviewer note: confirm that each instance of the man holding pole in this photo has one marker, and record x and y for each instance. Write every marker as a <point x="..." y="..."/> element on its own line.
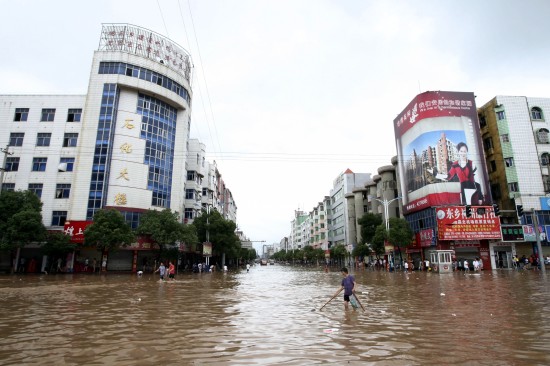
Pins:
<point x="348" y="285"/>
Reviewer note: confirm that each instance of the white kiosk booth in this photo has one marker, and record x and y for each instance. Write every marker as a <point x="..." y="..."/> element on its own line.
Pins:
<point x="441" y="261"/>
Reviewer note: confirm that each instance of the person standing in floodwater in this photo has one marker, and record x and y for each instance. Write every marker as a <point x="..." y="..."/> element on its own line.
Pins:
<point x="171" y="271"/>
<point x="162" y="271"/>
<point x="348" y="285"/>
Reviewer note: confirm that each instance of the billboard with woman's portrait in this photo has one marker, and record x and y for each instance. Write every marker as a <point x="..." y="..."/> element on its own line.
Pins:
<point x="441" y="160"/>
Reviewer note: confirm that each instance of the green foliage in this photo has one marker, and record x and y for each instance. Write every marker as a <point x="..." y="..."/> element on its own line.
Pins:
<point x="58" y="243"/>
<point x="361" y="250"/>
<point x="400" y="233"/>
<point x="109" y="231"/>
<point x="377" y="244"/>
<point x="338" y="252"/>
<point x="221" y="233"/>
<point x="20" y="219"/>
<point x="369" y="222"/>
<point x="165" y="229"/>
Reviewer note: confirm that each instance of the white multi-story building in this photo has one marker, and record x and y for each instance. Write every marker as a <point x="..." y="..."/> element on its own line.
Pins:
<point x="516" y="141"/>
<point x="123" y="145"/>
<point x="338" y="214"/>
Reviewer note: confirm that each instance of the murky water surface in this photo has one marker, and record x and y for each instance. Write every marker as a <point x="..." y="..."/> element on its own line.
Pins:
<point x="271" y="316"/>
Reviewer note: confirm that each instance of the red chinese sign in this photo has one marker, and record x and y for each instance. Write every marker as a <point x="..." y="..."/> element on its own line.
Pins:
<point x="75" y="229"/>
<point x="452" y="223"/>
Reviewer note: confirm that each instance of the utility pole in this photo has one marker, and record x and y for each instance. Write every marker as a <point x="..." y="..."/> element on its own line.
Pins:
<point x="3" y="169"/>
<point x="539" y="247"/>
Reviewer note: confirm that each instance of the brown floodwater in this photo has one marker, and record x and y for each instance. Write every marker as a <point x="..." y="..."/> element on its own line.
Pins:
<point x="271" y="316"/>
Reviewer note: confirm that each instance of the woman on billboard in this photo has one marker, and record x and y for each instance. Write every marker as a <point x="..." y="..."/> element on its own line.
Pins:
<point x="463" y="171"/>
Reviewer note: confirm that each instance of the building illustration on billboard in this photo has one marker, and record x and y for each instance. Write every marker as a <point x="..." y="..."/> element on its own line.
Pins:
<point x="438" y="143"/>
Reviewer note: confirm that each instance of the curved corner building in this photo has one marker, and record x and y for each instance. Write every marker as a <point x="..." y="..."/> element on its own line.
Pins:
<point x="135" y="125"/>
<point x="122" y="145"/>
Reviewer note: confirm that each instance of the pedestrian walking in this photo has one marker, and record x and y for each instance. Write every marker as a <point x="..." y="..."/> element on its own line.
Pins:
<point x="171" y="271"/>
<point x="162" y="271"/>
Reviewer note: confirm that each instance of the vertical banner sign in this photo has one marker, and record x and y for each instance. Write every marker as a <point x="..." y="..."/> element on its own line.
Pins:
<point x="440" y="153"/>
<point x="207" y="249"/>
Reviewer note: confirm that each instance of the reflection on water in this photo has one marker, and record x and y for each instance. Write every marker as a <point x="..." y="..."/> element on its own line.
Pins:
<point x="271" y="316"/>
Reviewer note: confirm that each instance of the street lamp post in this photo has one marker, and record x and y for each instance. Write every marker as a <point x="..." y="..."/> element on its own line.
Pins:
<point x="386" y="204"/>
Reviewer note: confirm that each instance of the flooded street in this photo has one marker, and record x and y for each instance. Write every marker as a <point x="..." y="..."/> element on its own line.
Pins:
<point x="271" y="316"/>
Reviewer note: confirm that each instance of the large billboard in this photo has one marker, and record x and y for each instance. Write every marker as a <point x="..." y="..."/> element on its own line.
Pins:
<point x="441" y="160"/>
<point x="453" y="224"/>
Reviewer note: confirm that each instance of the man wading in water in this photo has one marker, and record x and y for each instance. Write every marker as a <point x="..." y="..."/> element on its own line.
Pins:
<point x="348" y="285"/>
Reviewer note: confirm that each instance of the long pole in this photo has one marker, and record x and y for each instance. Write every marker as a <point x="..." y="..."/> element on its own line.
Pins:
<point x="3" y="168"/>
<point x="336" y="294"/>
<point x="359" y="302"/>
<point x="539" y="247"/>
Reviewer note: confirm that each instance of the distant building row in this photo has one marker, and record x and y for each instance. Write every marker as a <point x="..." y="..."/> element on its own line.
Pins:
<point x="450" y="155"/>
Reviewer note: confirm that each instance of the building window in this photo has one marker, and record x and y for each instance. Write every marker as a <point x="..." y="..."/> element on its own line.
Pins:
<point x="482" y="121"/>
<point x="39" y="164"/>
<point x="70" y="139"/>
<point x="505" y="137"/>
<point x="493" y="165"/>
<point x="36" y="188"/>
<point x="48" y="115"/>
<point x="59" y="218"/>
<point x="43" y="139"/>
<point x="542" y="136"/>
<point x="8" y="187"/>
<point x="62" y="190"/>
<point x="509" y="162"/>
<point x="501" y="115"/>
<point x="16" y="138"/>
<point x="12" y="164"/>
<point x="74" y="115"/>
<point x="546" y="183"/>
<point x="488" y="143"/>
<point x="160" y="138"/>
<point x="191" y="175"/>
<point x="189" y="194"/>
<point x="103" y="143"/>
<point x="159" y="199"/>
<point x="21" y="114"/>
<point x="513" y="187"/>
<point x="66" y="165"/>
<point x="545" y="159"/>
<point x="536" y="113"/>
<point x="188" y="213"/>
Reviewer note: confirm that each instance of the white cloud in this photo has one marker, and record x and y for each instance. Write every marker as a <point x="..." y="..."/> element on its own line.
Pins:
<point x="291" y="78"/>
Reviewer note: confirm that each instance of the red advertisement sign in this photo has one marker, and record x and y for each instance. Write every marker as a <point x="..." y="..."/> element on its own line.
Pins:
<point x="426" y="237"/>
<point x="75" y="229"/>
<point x="452" y="223"/>
<point x="442" y="161"/>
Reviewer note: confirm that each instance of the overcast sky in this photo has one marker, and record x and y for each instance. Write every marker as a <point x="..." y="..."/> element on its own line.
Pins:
<point x="289" y="94"/>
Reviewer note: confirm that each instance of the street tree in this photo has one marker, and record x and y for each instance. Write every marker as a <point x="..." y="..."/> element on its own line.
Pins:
<point x="20" y="220"/>
<point x="400" y="234"/>
<point x="361" y="250"/>
<point x="109" y="231"/>
<point x="369" y="222"/>
<point x="221" y="233"/>
<point x="378" y="240"/>
<point x="164" y="228"/>
<point x="338" y="252"/>
<point x="58" y="244"/>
